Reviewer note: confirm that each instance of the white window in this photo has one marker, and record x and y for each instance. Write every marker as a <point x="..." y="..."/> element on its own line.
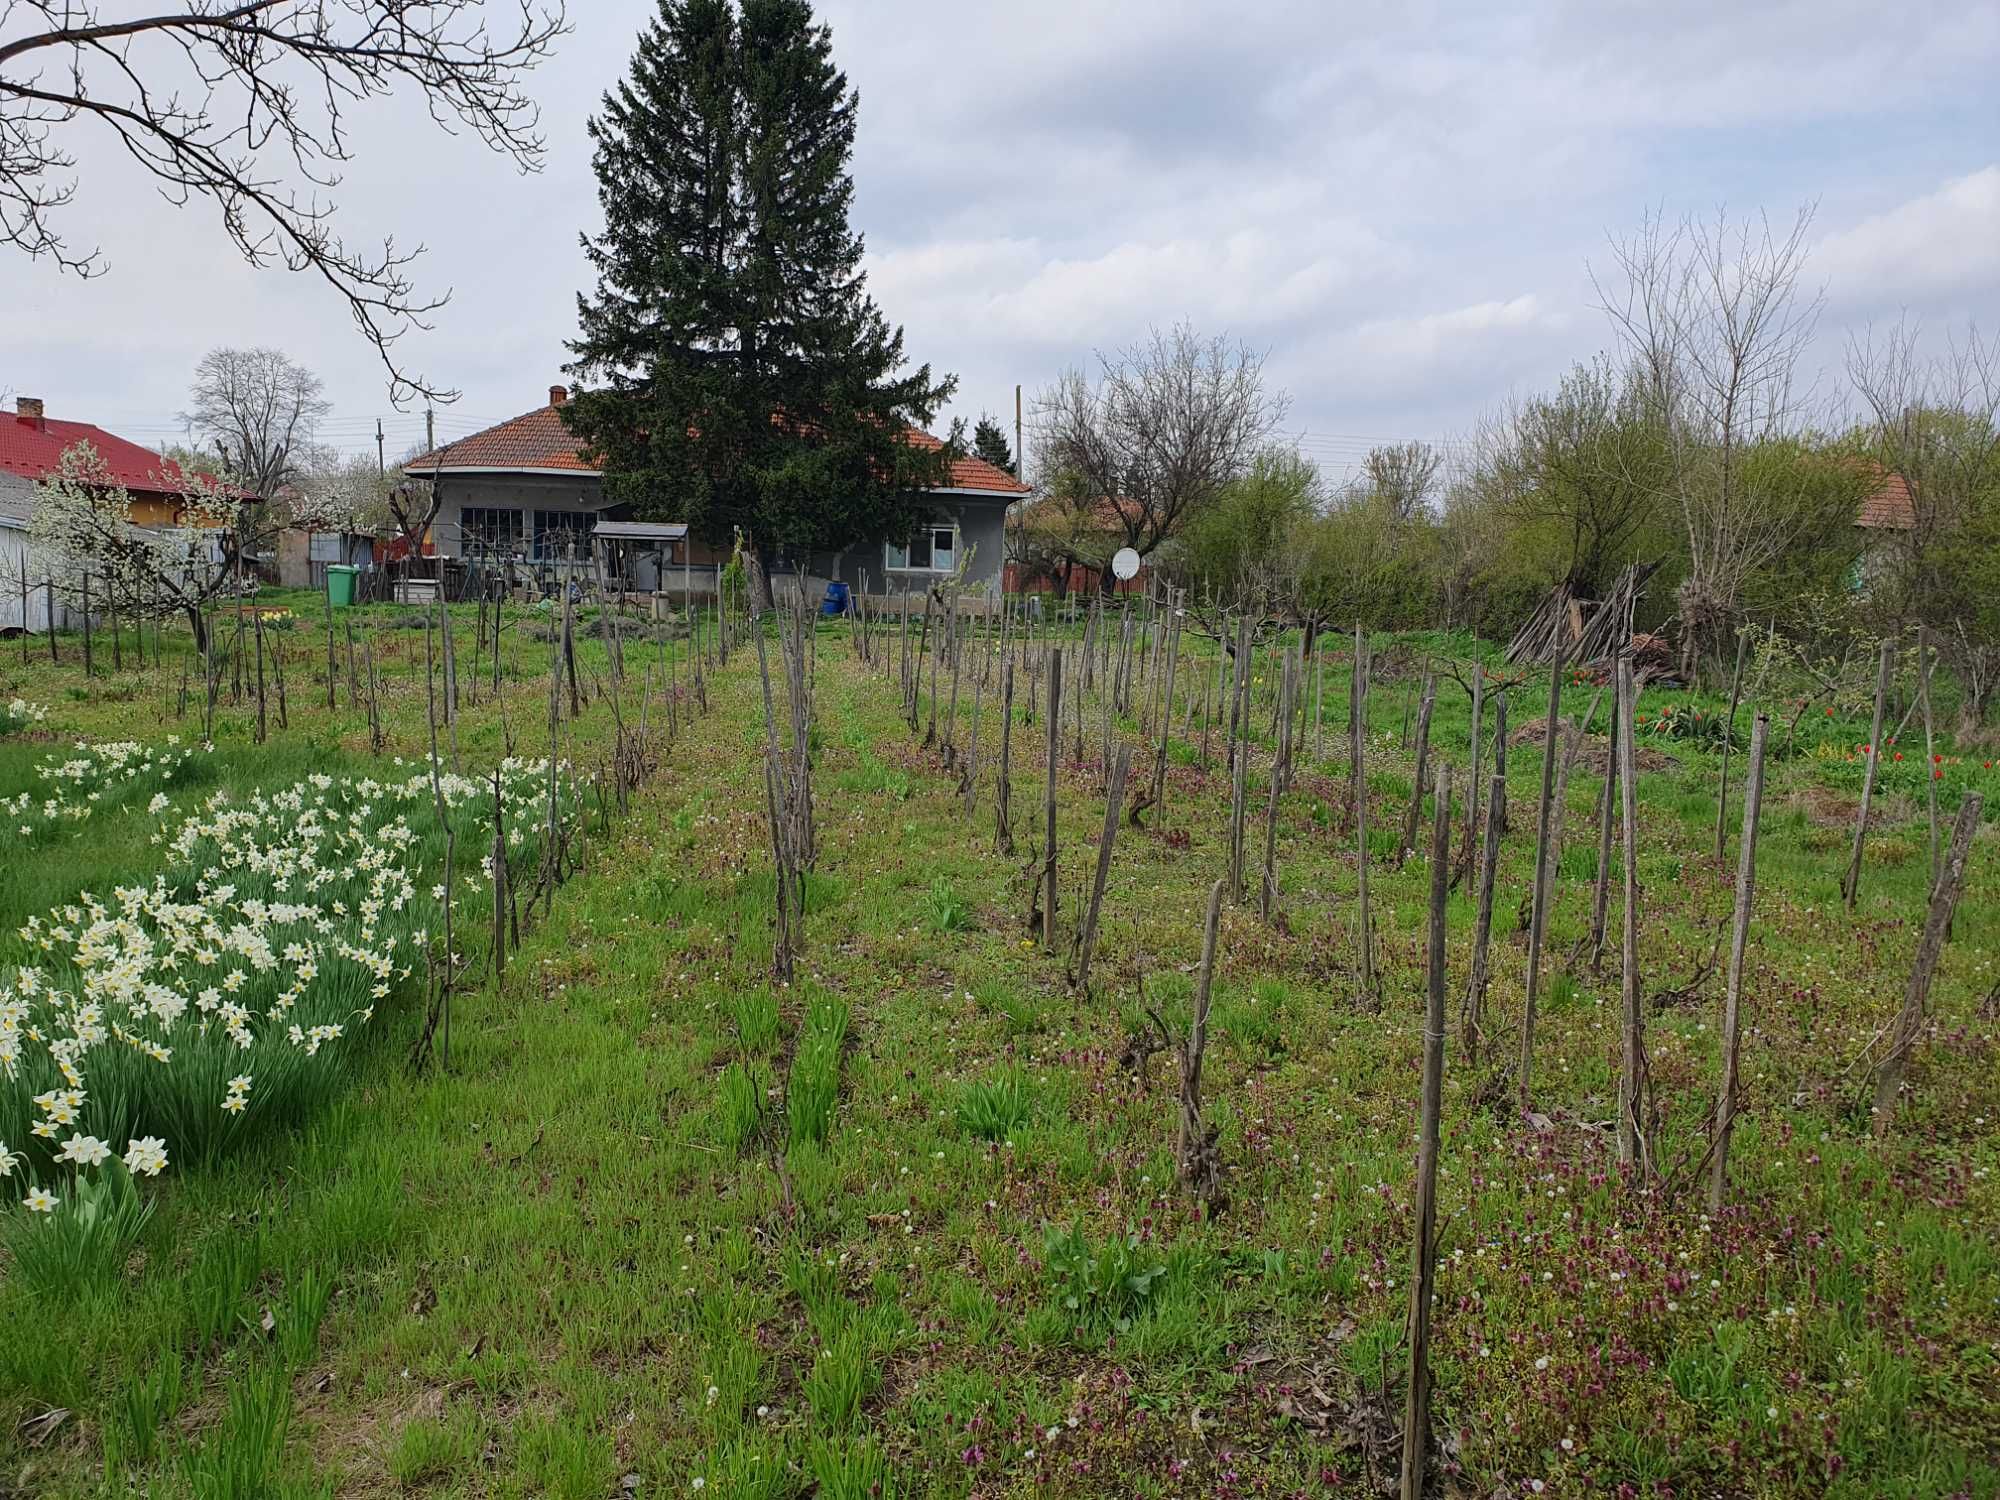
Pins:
<point x="934" y="549"/>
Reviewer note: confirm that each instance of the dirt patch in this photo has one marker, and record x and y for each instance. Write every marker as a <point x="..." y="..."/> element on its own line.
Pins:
<point x="1596" y="753"/>
<point x="1824" y="807"/>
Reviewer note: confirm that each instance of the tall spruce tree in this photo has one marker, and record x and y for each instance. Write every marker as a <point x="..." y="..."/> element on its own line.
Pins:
<point x="990" y="443"/>
<point x="735" y="372"/>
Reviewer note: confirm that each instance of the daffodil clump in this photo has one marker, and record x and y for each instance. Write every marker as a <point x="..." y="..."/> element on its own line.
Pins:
<point x="20" y="714"/>
<point x="220" y="1000"/>
<point x="92" y="778"/>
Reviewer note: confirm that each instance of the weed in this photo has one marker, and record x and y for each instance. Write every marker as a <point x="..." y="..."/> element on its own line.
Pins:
<point x="944" y="909"/>
<point x="815" y="1084"/>
<point x="1099" y="1285"/>
<point x="739" y="1106"/>
<point x="995" y="1108"/>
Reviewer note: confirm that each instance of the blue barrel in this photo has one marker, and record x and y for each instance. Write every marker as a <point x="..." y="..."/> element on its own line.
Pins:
<point x="836" y="600"/>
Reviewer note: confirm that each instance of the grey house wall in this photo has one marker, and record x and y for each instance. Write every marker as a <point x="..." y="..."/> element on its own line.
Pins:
<point x="982" y="528"/>
<point x="577" y="493"/>
<point x="981" y="524"/>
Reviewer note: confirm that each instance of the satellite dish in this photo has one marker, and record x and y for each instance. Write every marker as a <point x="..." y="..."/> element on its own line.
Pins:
<point x="1125" y="565"/>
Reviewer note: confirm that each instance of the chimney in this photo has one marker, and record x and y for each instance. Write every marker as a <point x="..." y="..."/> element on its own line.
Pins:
<point x="29" y="409"/>
<point x="557" y="395"/>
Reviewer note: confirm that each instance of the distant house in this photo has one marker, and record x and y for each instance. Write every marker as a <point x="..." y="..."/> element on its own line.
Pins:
<point x="31" y="448"/>
<point x="521" y="491"/>
<point x="1888" y="512"/>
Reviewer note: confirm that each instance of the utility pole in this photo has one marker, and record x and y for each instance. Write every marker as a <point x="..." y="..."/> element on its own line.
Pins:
<point x="430" y="430"/>
<point x="1020" y="453"/>
<point x="381" y="464"/>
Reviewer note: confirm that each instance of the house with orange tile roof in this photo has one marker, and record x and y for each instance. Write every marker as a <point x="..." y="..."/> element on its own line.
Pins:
<point x="521" y="492"/>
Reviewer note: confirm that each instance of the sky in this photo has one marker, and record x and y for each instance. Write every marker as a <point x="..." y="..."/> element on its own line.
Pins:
<point x="1399" y="206"/>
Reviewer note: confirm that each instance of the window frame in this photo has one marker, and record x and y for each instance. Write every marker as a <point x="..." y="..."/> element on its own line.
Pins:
<point x="930" y="531"/>
<point x="515" y="542"/>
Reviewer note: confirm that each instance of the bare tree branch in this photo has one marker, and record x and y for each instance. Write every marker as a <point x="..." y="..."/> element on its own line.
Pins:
<point x="246" y="105"/>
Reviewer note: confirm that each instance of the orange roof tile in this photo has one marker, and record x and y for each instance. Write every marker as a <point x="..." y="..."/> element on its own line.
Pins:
<point x="1889" y="506"/>
<point x="533" y="440"/>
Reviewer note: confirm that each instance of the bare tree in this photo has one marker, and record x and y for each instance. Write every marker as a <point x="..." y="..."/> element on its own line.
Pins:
<point x="259" y="408"/>
<point x="247" y="105"/>
<point x="1714" y="314"/>
<point x="98" y="557"/>
<point x="1405" y="475"/>
<point x="1934" y="424"/>
<point x="1165" y="427"/>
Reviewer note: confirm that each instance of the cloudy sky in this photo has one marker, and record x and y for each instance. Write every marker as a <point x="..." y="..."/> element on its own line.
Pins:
<point x="1398" y="203"/>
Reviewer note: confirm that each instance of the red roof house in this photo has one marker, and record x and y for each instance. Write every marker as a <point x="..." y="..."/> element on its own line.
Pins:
<point x="32" y="445"/>
<point x="521" y="490"/>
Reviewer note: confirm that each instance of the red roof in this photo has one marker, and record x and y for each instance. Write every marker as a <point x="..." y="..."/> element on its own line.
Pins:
<point x="533" y="440"/>
<point x="1889" y="506"/>
<point x="539" y="440"/>
<point x="32" y="447"/>
<point x="970" y="473"/>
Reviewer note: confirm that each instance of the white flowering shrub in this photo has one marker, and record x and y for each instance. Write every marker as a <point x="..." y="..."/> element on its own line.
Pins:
<point x="92" y="778"/>
<point x="221" y="1000"/>
<point x="19" y="714"/>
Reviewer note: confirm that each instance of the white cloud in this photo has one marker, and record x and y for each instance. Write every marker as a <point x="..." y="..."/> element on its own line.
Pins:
<point x="1939" y="242"/>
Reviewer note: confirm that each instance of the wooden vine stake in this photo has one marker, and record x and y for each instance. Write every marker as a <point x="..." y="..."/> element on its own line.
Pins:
<point x="1607" y="812"/>
<point x="1114" y="801"/>
<point x="1732" y="996"/>
<point x="1423" y="1268"/>
<point x="1003" y="831"/>
<point x="1538" y="913"/>
<point x="1201" y="1166"/>
<point x="1916" y="997"/>
<point x="1850" y="884"/>
<point x="1475" y="756"/>
<point x="1728" y="744"/>
<point x="1413" y="814"/>
<point x="1371" y="993"/>
<point x="1281" y="775"/>
<point x="1472" y="1023"/>
<point x="1632" y="1019"/>
<point x="1239" y="752"/>
<point x="1049" y="802"/>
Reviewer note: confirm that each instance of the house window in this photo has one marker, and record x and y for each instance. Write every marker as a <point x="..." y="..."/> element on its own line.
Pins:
<point x="557" y="531"/>
<point x="934" y="549"/>
<point x="492" y="529"/>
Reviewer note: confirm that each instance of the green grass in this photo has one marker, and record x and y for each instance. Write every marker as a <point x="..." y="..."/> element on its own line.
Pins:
<point x="880" y="1231"/>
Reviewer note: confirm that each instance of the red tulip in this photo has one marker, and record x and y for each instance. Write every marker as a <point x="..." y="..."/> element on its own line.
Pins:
<point x="1899" y="754"/>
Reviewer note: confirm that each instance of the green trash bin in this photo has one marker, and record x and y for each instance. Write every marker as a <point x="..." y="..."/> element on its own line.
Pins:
<point x="340" y="584"/>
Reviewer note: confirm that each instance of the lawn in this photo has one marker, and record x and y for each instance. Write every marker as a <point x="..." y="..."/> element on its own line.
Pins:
<point x="914" y="1225"/>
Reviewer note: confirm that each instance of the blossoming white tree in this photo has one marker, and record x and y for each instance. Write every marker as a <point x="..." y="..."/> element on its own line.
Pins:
<point x="98" y="556"/>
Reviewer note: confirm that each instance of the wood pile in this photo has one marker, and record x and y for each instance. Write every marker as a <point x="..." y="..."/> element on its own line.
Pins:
<point x="1584" y="631"/>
